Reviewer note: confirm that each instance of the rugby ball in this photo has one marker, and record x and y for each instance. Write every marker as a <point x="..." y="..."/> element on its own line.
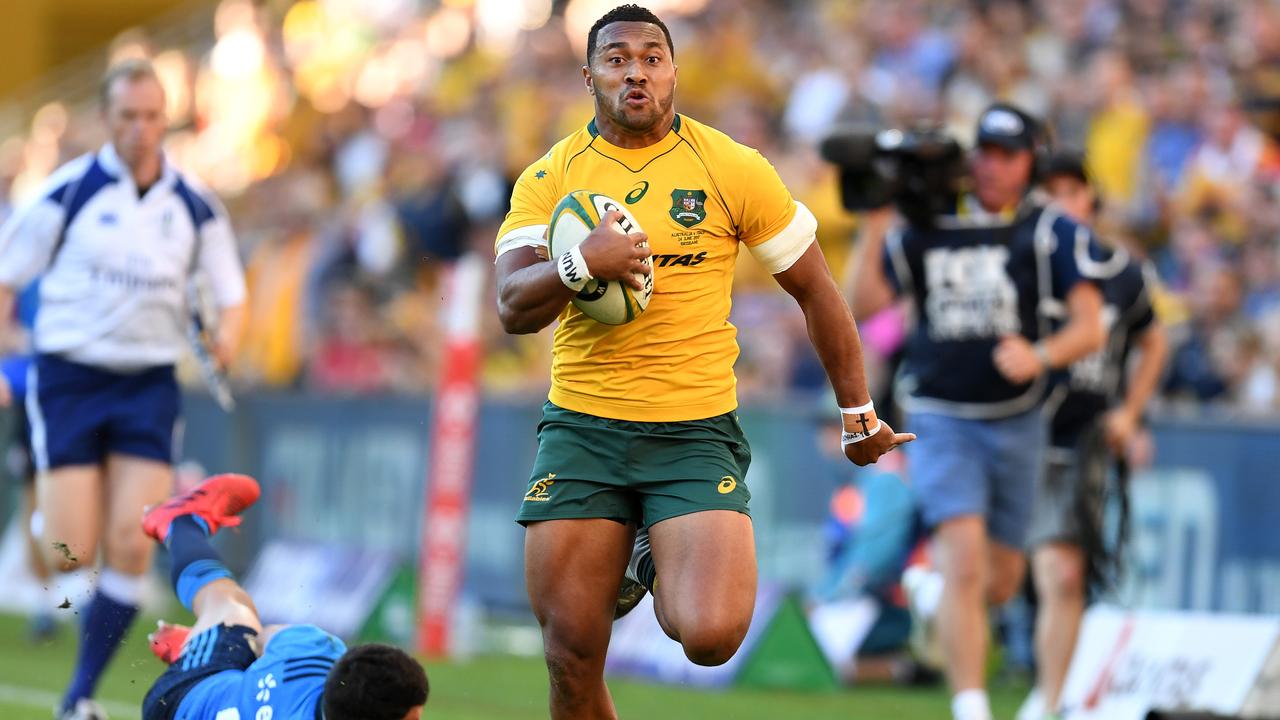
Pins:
<point x="606" y="301"/>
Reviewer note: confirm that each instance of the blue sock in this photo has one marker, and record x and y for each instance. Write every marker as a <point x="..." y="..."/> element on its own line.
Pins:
<point x="104" y="624"/>
<point x="195" y="562"/>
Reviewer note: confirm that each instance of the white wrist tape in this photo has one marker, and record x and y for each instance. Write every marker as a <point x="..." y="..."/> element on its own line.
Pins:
<point x="852" y="437"/>
<point x="858" y="410"/>
<point x="573" y="269"/>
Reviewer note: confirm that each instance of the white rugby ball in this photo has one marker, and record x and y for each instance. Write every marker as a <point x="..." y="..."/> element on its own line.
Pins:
<point x="606" y="301"/>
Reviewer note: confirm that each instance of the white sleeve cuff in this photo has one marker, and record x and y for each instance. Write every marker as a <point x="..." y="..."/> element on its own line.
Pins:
<point x="780" y="252"/>
<point x="527" y="236"/>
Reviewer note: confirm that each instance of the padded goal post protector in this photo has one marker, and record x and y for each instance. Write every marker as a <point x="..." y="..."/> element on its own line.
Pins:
<point x="779" y="652"/>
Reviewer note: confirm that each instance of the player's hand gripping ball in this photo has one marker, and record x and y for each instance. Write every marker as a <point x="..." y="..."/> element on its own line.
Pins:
<point x="611" y="296"/>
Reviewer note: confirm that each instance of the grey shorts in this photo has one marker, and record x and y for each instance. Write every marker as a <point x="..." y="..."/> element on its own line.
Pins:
<point x="1070" y="497"/>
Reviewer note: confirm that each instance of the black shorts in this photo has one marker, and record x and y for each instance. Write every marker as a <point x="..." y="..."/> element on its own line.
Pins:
<point x="220" y="648"/>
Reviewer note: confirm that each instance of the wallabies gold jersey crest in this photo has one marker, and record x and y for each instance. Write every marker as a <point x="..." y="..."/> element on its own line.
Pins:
<point x="688" y="207"/>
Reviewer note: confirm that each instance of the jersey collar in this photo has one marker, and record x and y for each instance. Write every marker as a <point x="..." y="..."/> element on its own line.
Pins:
<point x="637" y="156"/>
<point x="110" y="161"/>
<point x="591" y="126"/>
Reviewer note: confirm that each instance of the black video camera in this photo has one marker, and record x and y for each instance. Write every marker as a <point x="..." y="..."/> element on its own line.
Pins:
<point x="921" y="170"/>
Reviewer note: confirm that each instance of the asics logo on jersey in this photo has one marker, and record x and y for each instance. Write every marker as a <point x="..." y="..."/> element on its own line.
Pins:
<point x="688" y="260"/>
<point x="623" y="222"/>
<point x="637" y="192"/>
<point x="107" y="218"/>
<point x="727" y="485"/>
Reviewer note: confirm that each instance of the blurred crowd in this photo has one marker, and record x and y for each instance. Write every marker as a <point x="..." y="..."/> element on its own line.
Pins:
<point x="361" y="147"/>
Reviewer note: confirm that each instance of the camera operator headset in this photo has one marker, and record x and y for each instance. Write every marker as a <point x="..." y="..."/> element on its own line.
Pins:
<point x="976" y="366"/>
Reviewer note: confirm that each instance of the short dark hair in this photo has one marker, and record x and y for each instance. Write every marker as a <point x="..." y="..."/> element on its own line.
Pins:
<point x="374" y="682"/>
<point x="627" y="13"/>
<point x="131" y="69"/>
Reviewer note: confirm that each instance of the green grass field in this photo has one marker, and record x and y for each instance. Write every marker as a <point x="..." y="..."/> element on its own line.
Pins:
<point x="486" y="688"/>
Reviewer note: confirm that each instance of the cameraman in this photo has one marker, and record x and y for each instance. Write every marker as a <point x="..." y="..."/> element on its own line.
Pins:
<point x="976" y="368"/>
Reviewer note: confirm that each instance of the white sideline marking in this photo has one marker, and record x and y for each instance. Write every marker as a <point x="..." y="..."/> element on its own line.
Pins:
<point x="45" y="700"/>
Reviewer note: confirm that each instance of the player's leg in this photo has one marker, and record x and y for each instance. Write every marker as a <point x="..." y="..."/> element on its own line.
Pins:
<point x="43" y="625"/>
<point x="949" y="477"/>
<point x="137" y="416"/>
<point x="1008" y="568"/>
<point x="69" y="500"/>
<point x="960" y="551"/>
<point x="705" y="563"/>
<point x="131" y="485"/>
<point x="65" y="416"/>
<point x="201" y="581"/>
<point x="580" y="521"/>
<point x="701" y="563"/>
<point x="227" y="631"/>
<point x="573" y="569"/>
<point x="1016" y="465"/>
<point x="1058" y="570"/>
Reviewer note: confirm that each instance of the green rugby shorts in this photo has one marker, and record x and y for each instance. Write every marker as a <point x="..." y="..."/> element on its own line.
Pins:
<point x="641" y="472"/>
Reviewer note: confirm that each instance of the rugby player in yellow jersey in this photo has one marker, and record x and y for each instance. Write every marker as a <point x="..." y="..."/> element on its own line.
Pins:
<point x="640" y="429"/>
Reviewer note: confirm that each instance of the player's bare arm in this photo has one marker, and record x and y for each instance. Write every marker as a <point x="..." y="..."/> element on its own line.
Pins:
<point x="835" y="338"/>
<point x="1019" y="361"/>
<point x="867" y="288"/>
<point x="531" y="293"/>
<point x="1122" y="423"/>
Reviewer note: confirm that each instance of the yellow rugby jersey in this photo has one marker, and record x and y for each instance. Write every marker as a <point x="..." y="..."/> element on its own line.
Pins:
<point x="698" y="195"/>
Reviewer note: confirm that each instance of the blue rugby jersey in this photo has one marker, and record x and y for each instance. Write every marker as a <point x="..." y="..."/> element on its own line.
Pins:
<point x="286" y="683"/>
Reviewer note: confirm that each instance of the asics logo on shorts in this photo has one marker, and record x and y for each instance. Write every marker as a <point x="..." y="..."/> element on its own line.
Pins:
<point x="541" y="490"/>
<point x="727" y="485"/>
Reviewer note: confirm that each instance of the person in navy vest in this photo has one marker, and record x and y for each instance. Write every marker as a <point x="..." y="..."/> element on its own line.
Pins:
<point x="975" y="371"/>
<point x="1094" y="414"/>
<point x="116" y="236"/>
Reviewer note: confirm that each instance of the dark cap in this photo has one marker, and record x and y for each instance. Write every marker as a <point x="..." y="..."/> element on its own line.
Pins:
<point x="1069" y="163"/>
<point x="1007" y="126"/>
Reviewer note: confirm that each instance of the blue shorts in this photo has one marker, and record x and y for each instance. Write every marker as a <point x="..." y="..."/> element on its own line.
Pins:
<point x="79" y="414"/>
<point x="989" y="468"/>
<point x="219" y="649"/>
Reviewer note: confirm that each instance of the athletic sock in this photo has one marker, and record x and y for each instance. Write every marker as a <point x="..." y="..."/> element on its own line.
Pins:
<point x="645" y="571"/>
<point x="104" y="624"/>
<point x="195" y="562"/>
<point x="971" y="705"/>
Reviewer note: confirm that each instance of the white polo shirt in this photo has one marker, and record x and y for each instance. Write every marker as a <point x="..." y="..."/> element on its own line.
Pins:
<point x="114" y="288"/>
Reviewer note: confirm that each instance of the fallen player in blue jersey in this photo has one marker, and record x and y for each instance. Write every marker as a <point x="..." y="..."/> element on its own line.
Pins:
<point x="228" y="667"/>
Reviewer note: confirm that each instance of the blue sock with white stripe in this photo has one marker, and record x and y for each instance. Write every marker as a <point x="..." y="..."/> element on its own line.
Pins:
<point x="195" y="562"/>
<point x="105" y="622"/>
